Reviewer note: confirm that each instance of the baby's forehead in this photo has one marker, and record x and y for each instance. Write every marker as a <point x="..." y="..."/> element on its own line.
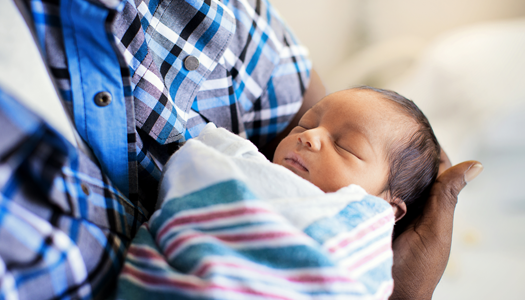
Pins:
<point x="350" y="96"/>
<point x="370" y="111"/>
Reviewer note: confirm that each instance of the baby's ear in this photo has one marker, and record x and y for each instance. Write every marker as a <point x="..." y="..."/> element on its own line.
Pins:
<point x="399" y="207"/>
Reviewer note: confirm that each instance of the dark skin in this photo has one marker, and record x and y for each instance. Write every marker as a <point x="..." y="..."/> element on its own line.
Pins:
<point x="421" y="251"/>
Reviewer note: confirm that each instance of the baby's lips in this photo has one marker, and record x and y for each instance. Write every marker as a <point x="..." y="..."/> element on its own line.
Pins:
<point x="296" y="161"/>
<point x="297" y="158"/>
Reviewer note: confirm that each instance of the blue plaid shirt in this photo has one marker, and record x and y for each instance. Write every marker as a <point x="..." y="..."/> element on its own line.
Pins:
<point x="66" y="221"/>
<point x="64" y="227"/>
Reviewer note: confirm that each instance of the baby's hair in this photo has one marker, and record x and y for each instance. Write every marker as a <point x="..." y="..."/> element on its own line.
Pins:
<point x="413" y="161"/>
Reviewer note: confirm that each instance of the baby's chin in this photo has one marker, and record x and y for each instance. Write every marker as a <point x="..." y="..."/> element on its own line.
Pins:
<point x="300" y="171"/>
<point x="294" y="170"/>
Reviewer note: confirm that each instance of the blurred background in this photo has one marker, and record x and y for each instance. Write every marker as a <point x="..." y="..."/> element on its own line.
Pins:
<point x="463" y="63"/>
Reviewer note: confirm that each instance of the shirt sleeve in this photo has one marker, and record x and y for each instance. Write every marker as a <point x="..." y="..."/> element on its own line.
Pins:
<point x="283" y="94"/>
<point x="259" y="82"/>
<point x="64" y="227"/>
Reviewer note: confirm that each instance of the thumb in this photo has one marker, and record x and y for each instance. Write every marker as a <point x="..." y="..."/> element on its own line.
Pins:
<point x="444" y="194"/>
<point x="421" y="254"/>
<point x="450" y="183"/>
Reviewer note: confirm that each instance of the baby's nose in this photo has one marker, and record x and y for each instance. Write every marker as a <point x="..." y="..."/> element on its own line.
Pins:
<point x="310" y="139"/>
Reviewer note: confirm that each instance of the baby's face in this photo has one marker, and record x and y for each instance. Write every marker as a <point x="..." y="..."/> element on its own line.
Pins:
<point x="344" y="139"/>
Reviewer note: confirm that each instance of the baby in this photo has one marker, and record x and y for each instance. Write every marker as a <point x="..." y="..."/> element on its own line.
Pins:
<point x="371" y="137"/>
<point x="228" y="212"/>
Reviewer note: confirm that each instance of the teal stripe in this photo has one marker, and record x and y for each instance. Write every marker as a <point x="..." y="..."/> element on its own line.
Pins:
<point x="221" y="193"/>
<point x="347" y="219"/>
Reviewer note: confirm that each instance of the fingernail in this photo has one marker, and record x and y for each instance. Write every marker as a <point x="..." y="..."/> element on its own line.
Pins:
<point x="473" y="172"/>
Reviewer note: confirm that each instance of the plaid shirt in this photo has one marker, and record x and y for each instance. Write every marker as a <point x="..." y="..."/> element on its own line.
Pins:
<point x="65" y="221"/>
<point x="250" y="78"/>
<point x="63" y="227"/>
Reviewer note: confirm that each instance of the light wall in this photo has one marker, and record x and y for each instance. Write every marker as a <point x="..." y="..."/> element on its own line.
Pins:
<point x="330" y="28"/>
<point x="386" y="19"/>
<point x="353" y="40"/>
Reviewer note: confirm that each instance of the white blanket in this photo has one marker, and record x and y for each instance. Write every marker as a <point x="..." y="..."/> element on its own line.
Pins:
<point x="217" y="155"/>
<point x="232" y="225"/>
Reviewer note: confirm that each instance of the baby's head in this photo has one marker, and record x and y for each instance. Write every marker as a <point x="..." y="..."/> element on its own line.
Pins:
<point x="370" y="137"/>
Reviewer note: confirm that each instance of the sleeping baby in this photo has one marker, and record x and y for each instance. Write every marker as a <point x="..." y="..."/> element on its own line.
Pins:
<point x="371" y="137"/>
<point x="314" y="222"/>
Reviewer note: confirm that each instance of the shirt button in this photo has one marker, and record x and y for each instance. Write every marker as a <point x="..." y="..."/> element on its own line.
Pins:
<point x="103" y="99"/>
<point x="85" y="189"/>
<point x="191" y="63"/>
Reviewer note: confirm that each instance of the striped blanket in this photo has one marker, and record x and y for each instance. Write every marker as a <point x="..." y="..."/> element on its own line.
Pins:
<point x="232" y="225"/>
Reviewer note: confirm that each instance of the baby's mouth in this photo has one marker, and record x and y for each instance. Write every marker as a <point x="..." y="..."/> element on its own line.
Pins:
<point x="296" y="162"/>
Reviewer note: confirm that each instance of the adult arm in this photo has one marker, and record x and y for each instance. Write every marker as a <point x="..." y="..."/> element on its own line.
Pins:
<point x="314" y="93"/>
<point x="421" y="252"/>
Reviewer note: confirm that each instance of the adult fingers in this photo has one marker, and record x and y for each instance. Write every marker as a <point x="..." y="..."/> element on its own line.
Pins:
<point x="439" y="211"/>
<point x="422" y="252"/>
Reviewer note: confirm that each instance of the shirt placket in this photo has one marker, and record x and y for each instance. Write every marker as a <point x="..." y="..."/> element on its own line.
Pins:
<point x="98" y="92"/>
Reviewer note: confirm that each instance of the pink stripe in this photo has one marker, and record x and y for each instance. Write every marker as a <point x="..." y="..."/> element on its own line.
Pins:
<point x="182" y="284"/>
<point x="170" y="248"/>
<point x="209" y="216"/>
<point x="360" y="234"/>
<point x="146" y="253"/>
<point x="205" y="268"/>
<point x="254" y="236"/>
<point x="371" y="256"/>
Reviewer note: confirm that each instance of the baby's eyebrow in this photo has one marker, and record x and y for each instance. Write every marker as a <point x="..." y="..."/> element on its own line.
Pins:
<point x="316" y="109"/>
<point x="363" y="132"/>
<point x="307" y="115"/>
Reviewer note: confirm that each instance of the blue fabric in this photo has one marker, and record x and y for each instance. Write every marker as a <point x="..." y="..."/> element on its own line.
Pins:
<point x="93" y="68"/>
<point x="135" y="50"/>
<point x="62" y="224"/>
<point x="187" y="252"/>
<point x="69" y="220"/>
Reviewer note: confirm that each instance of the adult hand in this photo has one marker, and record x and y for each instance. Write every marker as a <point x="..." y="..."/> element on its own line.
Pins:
<point x="421" y="251"/>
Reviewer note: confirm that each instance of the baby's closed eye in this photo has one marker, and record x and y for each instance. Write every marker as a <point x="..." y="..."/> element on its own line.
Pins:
<point x="346" y="149"/>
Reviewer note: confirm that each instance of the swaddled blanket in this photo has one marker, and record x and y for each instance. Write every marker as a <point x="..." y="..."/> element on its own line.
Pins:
<point x="232" y="225"/>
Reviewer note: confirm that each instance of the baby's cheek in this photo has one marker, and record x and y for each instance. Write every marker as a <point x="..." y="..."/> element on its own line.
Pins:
<point x="277" y="155"/>
<point x="329" y="182"/>
<point x="340" y="179"/>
